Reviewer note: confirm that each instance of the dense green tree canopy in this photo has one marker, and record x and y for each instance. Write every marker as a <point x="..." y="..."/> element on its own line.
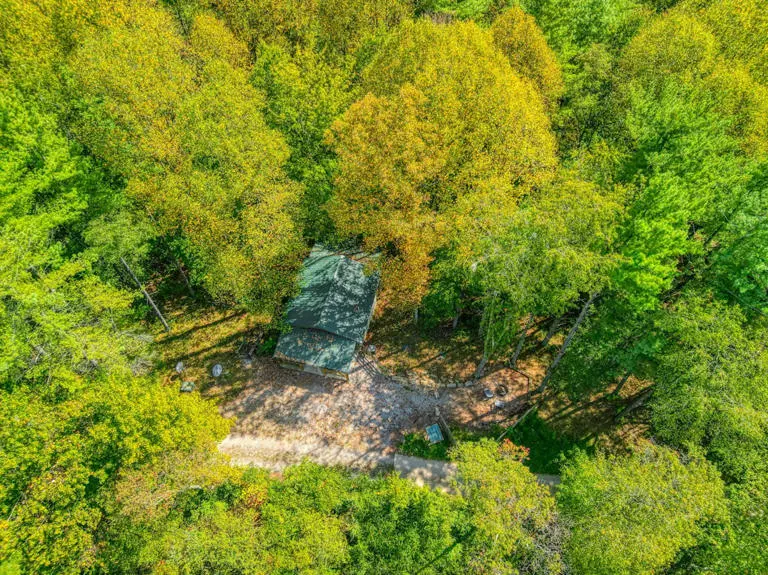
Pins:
<point x="712" y="384"/>
<point x="60" y="321"/>
<point x="77" y="404"/>
<point x="580" y="185"/>
<point x="511" y="517"/>
<point x="633" y="514"/>
<point x="196" y="150"/>
<point x="447" y="127"/>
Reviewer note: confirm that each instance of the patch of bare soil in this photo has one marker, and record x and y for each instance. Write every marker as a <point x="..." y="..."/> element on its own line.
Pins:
<point x="371" y="411"/>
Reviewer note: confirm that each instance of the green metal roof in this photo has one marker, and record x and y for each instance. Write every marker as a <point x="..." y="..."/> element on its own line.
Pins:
<point x="336" y="296"/>
<point x="316" y="347"/>
<point x="331" y="313"/>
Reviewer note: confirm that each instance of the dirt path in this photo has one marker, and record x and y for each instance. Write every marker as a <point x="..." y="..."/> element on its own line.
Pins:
<point x="283" y="417"/>
<point x="277" y="454"/>
<point x="435" y="474"/>
<point x="366" y="413"/>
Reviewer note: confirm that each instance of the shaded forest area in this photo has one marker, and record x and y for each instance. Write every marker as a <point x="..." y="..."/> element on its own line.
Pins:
<point x="596" y="170"/>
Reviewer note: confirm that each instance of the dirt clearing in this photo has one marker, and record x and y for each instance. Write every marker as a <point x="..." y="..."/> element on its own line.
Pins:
<point x="370" y="412"/>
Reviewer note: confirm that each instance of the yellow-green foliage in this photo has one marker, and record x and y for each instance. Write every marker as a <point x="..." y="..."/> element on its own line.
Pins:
<point x="447" y="119"/>
<point x="675" y="46"/>
<point x="337" y="27"/>
<point x="720" y="50"/>
<point x="513" y="517"/>
<point x="279" y="21"/>
<point x="182" y="122"/>
<point x="383" y="143"/>
<point x="632" y="515"/>
<point x="220" y="137"/>
<point x="59" y="461"/>
<point x="744" y="101"/>
<point x="58" y="319"/>
<point x="133" y="77"/>
<point x="741" y="26"/>
<point x="37" y="37"/>
<point x="521" y="40"/>
<point x="178" y="118"/>
<point x="492" y="124"/>
<point x="305" y="93"/>
<point x="75" y="409"/>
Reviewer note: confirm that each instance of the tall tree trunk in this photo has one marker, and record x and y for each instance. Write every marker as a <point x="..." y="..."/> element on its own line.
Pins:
<point x="623" y="381"/>
<point x="486" y="331"/>
<point x="146" y="294"/>
<point x="551" y="331"/>
<point x="416" y="316"/>
<point x="456" y="317"/>
<point x="481" y="366"/>
<point x="184" y="277"/>
<point x="566" y="343"/>
<point x="638" y="402"/>
<point x="520" y="419"/>
<point x="521" y="340"/>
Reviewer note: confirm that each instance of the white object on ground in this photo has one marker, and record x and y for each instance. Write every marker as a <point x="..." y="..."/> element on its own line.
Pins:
<point x="187" y="386"/>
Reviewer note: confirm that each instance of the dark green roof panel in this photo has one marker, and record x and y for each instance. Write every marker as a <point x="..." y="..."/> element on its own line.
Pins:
<point x="336" y="296"/>
<point x="316" y="347"/>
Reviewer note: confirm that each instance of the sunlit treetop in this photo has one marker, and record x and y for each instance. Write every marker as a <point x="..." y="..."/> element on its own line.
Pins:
<point x="521" y="40"/>
<point x="447" y="125"/>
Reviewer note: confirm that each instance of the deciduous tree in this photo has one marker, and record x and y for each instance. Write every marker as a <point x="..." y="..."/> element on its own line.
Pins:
<point x="418" y="157"/>
<point x="520" y="39"/>
<point x="712" y="384"/>
<point x="195" y="148"/>
<point x="513" y="523"/>
<point x="633" y="514"/>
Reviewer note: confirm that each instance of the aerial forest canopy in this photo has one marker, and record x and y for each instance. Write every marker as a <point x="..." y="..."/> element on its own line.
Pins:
<point x="591" y="171"/>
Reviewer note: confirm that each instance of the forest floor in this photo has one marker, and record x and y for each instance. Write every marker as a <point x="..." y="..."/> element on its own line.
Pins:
<point x="372" y="412"/>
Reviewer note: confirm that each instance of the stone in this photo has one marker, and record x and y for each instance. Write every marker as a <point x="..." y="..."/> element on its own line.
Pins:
<point x="187" y="386"/>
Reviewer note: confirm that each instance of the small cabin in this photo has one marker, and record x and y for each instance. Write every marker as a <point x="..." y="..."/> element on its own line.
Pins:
<point x="329" y="318"/>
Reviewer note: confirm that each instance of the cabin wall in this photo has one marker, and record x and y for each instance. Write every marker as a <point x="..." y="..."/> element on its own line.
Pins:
<point x="307" y="368"/>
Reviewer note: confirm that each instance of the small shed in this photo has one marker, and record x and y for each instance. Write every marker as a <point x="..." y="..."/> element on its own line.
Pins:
<point x="330" y="316"/>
